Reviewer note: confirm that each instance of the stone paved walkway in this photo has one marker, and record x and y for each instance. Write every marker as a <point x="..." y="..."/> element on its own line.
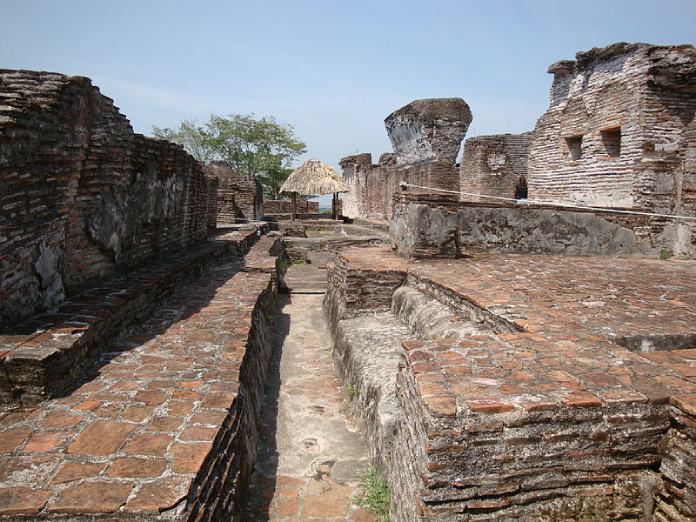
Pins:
<point x="313" y="452"/>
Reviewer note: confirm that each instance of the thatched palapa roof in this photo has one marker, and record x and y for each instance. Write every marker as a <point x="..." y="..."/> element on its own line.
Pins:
<point x="314" y="178"/>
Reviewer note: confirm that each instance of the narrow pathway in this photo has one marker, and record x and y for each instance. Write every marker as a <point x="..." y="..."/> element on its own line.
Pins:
<point x="313" y="452"/>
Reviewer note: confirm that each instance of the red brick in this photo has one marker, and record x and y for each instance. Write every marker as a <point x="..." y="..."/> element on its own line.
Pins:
<point x="44" y="442"/>
<point x="137" y="467"/>
<point x="198" y="434"/>
<point x="77" y="471"/>
<point x="148" y="444"/>
<point x="98" y="496"/>
<point x="159" y="495"/>
<point x="488" y="406"/>
<point x="442" y="406"/>
<point x="582" y="400"/>
<point x="101" y="438"/>
<point x="188" y="458"/>
<point x="10" y="439"/>
<point x="22" y="501"/>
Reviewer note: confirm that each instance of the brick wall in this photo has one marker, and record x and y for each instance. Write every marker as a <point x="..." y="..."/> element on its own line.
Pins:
<point x="284" y="206"/>
<point x="619" y="132"/>
<point x="491" y="165"/>
<point x="238" y="199"/>
<point x="82" y="194"/>
<point x="373" y="186"/>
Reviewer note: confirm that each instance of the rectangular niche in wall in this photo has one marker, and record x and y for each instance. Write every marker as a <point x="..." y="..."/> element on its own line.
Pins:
<point x="574" y="144"/>
<point x="611" y="138"/>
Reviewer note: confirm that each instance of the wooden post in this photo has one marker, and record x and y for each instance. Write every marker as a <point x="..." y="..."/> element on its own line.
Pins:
<point x="334" y="206"/>
<point x="294" y="205"/>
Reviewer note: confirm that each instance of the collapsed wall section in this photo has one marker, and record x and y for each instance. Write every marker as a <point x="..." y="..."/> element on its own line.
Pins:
<point x="82" y="194"/>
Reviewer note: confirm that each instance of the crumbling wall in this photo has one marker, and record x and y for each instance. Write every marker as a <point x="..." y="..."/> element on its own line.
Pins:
<point x="238" y="199"/>
<point x="492" y="165"/>
<point x="82" y="195"/>
<point x="619" y="132"/>
<point x="429" y="225"/>
<point x="428" y="130"/>
<point x="426" y="136"/>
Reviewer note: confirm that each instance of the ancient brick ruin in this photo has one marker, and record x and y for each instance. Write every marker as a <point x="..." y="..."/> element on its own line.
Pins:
<point x="238" y="200"/>
<point x="164" y="356"/>
<point x="124" y="327"/>
<point x="522" y="387"/>
<point x="618" y="134"/>
<point x="499" y="385"/>
<point x="426" y="136"/>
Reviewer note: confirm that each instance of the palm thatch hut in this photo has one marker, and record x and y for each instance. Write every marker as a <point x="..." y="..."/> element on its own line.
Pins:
<point x="314" y="178"/>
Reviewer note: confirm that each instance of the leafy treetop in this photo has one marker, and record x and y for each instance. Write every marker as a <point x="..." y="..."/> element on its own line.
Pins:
<point x="261" y="148"/>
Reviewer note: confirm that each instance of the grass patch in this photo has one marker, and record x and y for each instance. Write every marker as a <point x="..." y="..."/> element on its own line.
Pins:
<point x="350" y="392"/>
<point x="375" y="495"/>
<point x="665" y="253"/>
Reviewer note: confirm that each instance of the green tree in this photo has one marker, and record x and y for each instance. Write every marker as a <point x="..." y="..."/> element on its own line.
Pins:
<point x="272" y="180"/>
<point x="188" y="135"/>
<point x="260" y="148"/>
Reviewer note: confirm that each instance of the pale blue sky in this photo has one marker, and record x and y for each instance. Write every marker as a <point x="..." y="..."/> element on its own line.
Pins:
<point x="333" y="69"/>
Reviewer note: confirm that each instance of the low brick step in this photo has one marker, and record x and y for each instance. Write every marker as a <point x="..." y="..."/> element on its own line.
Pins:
<point x="47" y="355"/>
<point x="167" y="430"/>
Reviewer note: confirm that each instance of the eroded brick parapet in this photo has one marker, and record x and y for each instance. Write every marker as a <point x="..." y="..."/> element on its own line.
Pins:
<point x="427" y="225"/>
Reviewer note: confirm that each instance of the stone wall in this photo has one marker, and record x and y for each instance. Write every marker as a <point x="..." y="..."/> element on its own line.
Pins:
<point x="238" y="199"/>
<point x="82" y="194"/>
<point x="426" y="136"/>
<point x="620" y="132"/>
<point x="491" y="165"/>
<point x="427" y="225"/>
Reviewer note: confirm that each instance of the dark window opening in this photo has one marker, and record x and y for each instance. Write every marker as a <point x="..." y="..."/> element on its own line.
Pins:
<point x="574" y="144"/>
<point x="612" y="141"/>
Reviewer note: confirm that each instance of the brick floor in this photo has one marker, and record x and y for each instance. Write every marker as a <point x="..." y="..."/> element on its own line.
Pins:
<point x="133" y="439"/>
<point x="567" y="380"/>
